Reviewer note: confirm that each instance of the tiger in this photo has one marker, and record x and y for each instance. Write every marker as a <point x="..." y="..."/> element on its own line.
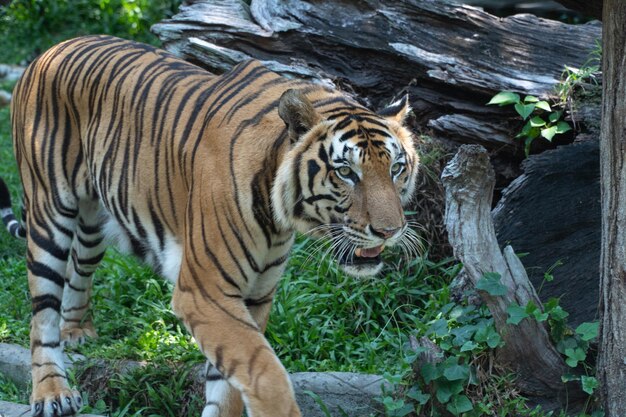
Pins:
<point x="206" y="178"/>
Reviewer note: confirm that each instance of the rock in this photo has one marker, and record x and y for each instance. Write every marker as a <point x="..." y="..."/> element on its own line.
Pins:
<point x="15" y="363"/>
<point x="341" y="393"/>
<point x="10" y="72"/>
<point x="552" y="213"/>
<point x="8" y="409"/>
<point x="5" y="98"/>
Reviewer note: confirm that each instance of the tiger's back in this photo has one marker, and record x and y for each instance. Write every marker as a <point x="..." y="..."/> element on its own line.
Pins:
<point x="123" y="122"/>
<point x="205" y="178"/>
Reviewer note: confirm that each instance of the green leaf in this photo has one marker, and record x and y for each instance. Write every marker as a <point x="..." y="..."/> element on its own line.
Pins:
<point x="396" y="408"/>
<point x="588" y="331"/>
<point x="537" y="122"/>
<point x="543" y="105"/>
<point x="446" y="389"/>
<point x="549" y="132"/>
<point x="531" y="307"/>
<point x="525" y="130"/>
<point x="557" y="313"/>
<point x="459" y="404"/>
<point x="493" y="339"/>
<point x="534" y="133"/>
<point x="468" y="346"/>
<point x="418" y="395"/>
<point x="563" y="127"/>
<point x="516" y="314"/>
<point x="574" y="356"/>
<point x="504" y="98"/>
<point x="524" y="110"/>
<point x="462" y="334"/>
<point x="554" y="116"/>
<point x="551" y="304"/>
<point x="443" y="393"/>
<point x="490" y="283"/>
<point x="589" y="384"/>
<point x="530" y="99"/>
<point x="568" y="342"/>
<point x="540" y="316"/>
<point x="456" y="372"/>
<point x="439" y="328"/>
<point x="430" y="372"/>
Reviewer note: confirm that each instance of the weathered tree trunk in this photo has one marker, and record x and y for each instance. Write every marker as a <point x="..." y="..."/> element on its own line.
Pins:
<point x="612" y="357"/>
<point x="469" y="181"/>
<point x="450" y="58"/>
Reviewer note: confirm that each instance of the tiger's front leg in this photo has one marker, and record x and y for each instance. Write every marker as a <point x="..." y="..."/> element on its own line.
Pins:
<point x="221" y="397"/>
<point x="233" y="342"/>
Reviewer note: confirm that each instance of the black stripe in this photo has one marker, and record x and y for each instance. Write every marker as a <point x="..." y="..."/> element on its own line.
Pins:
<point x="43" y="271"/>
<point x="93" y="261"/>
<point x="48" y="245"/>
<point x="45" y="301"/>
<point x="38" y="344"/>
<point x="313" y="169"/>
<point x="347" y="135"/>
<point x="89" y="243"/>
<point x="53" y="375"/>
<point x="216" y="262"/>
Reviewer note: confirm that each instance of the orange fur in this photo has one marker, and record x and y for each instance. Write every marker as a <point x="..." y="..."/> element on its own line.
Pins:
<point x="205" y="178"/>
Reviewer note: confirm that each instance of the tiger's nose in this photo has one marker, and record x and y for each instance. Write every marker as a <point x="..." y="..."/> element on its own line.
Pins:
<point x="386" y="232"/>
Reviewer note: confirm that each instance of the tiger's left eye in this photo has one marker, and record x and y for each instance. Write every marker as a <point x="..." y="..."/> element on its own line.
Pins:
<point x="344" y="171"/>
<point x="396" y="168"/>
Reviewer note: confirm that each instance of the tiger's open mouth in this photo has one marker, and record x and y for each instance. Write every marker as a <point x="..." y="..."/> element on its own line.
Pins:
<point x="362" y="256"/>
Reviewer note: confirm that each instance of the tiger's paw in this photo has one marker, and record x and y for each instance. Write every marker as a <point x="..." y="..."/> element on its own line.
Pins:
<point x="66" y="403"/>
<point x="72" y="335"/>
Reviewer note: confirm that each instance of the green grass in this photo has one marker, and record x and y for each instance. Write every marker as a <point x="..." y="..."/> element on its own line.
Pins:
<point x="321" y="319"/>
<point x="29" y="27"/>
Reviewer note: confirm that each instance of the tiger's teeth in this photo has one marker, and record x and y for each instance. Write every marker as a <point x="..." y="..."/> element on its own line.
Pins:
<point x="357" y="252"/>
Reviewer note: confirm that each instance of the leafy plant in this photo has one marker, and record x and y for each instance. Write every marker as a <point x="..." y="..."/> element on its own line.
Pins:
<point x="457" y="381"/>
<point x="540" y="119"/>
<point x="574" y="345"/>
<point x="573" y="79"/>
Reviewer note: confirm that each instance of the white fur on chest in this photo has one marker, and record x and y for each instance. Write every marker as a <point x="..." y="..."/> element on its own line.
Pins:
<point x="167" y="260"/>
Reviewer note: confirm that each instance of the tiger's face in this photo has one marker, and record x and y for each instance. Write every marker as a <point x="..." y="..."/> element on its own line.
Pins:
<point x="347" y="177"/>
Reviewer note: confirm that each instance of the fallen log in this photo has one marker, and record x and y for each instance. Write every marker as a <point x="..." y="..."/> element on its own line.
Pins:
<point x="450" y="58"/>
<point x="469" y="181"/>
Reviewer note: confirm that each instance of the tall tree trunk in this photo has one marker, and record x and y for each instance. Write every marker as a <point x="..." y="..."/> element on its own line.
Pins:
<point x="612" y="358"/>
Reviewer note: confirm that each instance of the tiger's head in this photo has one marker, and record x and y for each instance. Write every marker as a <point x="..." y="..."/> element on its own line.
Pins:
<point x="347" y="176"/>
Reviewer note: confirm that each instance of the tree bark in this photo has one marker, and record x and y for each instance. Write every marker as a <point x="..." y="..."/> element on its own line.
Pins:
<point x="612" y="355"/>
<point x="450" y="58"/>
<point x="469" y="181"/>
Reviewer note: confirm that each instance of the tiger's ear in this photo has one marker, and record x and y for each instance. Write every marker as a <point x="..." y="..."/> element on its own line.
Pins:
<point x="298" y="113"/>
<point x="398" y="110"/>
